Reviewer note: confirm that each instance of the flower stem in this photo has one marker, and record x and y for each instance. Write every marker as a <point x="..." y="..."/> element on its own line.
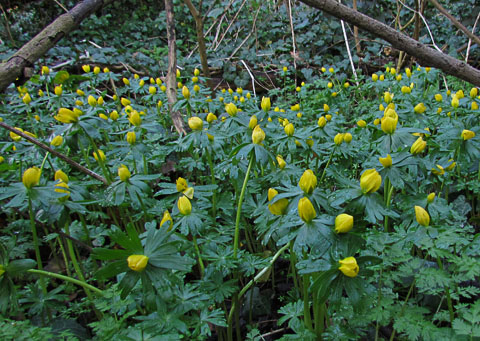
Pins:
<point x="212" y="176"/>
<point x="36" y="244"/>
<point x="306" y="303"/>
<point x="200" y="260"/>
<point x="392" y="337"/>
<point x="67" y="279"/>
<point x="326" y="166"/>
<point x="447" y="293"/>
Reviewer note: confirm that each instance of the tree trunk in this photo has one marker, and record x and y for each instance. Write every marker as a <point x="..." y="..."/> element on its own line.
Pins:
<point x="423" y="54"/>
<point x="172" y="69"/>
<point x="17" y="65"/>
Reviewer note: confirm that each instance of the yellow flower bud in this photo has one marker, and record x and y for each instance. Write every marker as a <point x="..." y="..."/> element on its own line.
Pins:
<point x="96" y="70"/>
<point x="131" y="137"/>
<point x="281" y="162"/>
<point x="406" y="89"/>
<point x="455" y="102"/>
<point x="438" y="97"/>
<point x="27" y="99"/>
<point x="361" y="123"/>
<point x="66" y="116"/>
<point x="60" y="175"/>
<point x="185" y="92"/>
<point x="376" y="121"/>
<point x="306" y="211"/>
<point x="298" y="89"/>
<point x="330" y="85"/>
<point x="279" y="207"/>
<point x="14" y="136"/>
<point x="135" y="118"/>
<point x="408" y="72"/>
<point x="328" y="117"/>
<point x="308" y="181"/>
<point x="152" y="90"/>
<point x="167" y="218"/>
<point x="431" y="197"/>
<point x="422" y="216"/>
<point x="386" y="161"/>
<point x="210" y="137"/>
<point x="347" y="137"/>
<point x="382" y="78"/>
<point x="2" y="159"/>
<point x="195" y="123"/>
<point x="451" y="166"/>
<point x="349" y="267"/>
<point x="125" y="81"/>
<point x="181" y="184"/>
<point x="58" y="90"/>
<point x="31" y="177"/>
<point x="331" y="70"/>
<point x="295" y="107"/>
<point x="106" y="70"/>
<point x="92" y="101"/>
<point x="338" y="139"/>
<point x="184" y="205"/>
<point x="45" y="70"/>
<point x="418" y="146"/>
<point x="398" y="78"/>
<point x="266" y="104"/>
<point x="211" y="117"/>
<point x="467" y="134"/>
<point x="460" y="94"/>
<point x="231" y="109"/>
<point x="374" y="77"/>
<point x="101" y="154"/>
<point x="346" y="85"/>
<point x="420" y="108"/>
<point x="123" y="173"/>
<point x="324" y="69"/>
<point x="196" y="88"/>
<point x="289" y="129"/>
<point x="370" y="181"/>
<point x="57" y="141"/>
<point x="474" y="92"/>
<point x="387" y="97"/>
<point x="474" y="106"/>
<point x="310" y="142"/>
<point x="196" y="72"/>
<point x="253" y="122"/>
<point x="258" y="135"/>
<point x="163" y="88"/>
<point x="285" y="69"/>
<point x="86" y="68"/>
<point x="438" y="171"/>
<point x="137" y="262"/>
<point x="322" y="122"/>
<point x="389" y="125"/>
<point x="62" y="187"/>
<point x="343" y="223"/>
<point x="326" y="108"/>
<point x="41" y="93"/>
<point x="114" y="115"/>
<point x="178" y="73"/>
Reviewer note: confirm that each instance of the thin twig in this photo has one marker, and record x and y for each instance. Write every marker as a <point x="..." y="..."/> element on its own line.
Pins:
<point x="230" y="25"/>
<point x="59" y="4"/>
<point x="294" y="43"/>
<point x="251" y="76"/>
<point x="470" y="40"/>
<point x="8" y="26"/>
<point x="249" y="34"/>
<point x="55" y="153"/>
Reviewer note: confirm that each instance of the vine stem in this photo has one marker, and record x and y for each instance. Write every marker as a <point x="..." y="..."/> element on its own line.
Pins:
<point x="67" y="279"/>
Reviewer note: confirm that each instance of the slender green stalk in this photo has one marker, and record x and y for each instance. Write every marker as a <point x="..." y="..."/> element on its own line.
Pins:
<point x="64" y="254"/>
<point x="144" y="209"/>
<point x="447" y="293"/>
<point x="105" y="170"/>
<point x="326" y="166"/>
<point x="44" y="160"/>
<point x="387" y="202"/>
<point x="36" y="244"/>
<point x="67" y="279"/>
<point x="212" y="177"/>
<point x="293" y="261"/>
<point x="392" y="337"/>
<point x="306" y="303"/>
<point x="145" y="165"/>
<point x="319" y="310"/>
<point x="200" y="260"/>
<point x="239" y="207"/>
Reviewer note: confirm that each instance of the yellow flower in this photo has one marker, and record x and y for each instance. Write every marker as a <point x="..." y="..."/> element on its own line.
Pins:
<point x="308" y="181"/>
<point x="178" y="73"/>
<point x="349" y="267"/>
<point x="460" y="94"/>
<point x="181" y="184"/>
<point x="210" y="137"/>
<point x="408" y="72"/>
<point x="184" y="205"/>
<point x="106" y="70"/>
<point x="474" y="106"/>
<point x="306" y="211"/>
<point x="374" y="77"/>
<point x="125" y="81"/>
<point x="92" y="101"/>
<point x="135" y="118"/>
<point x="474" y="92"/>
<point x="31" y="177"/>
<point x="185" y="92"/>
<point x="211" y="117"/>
<point x="101" y="154"/>
<point x="382" y="77"/>
<point x="279" y="207"/>
<point x="281" y="162"/>
<point x="266" y="104"/>
<point x="196" y="88"/>
<point x="346" y="85"/>
<point x="331" y="70"/>
<point x="285" y="69"/>
<point x="467" y="134"/>
<point x="253" y="122"/>
<point x="196" y="72"/>
<point x="289" y="129"/>
<point x="131" y="137"/>
<point x="167" y="217"/>
<point x="86" y="68"/>
<point x="125" y="101"/>
<point x="231" y="109"/>
<point x="45" y="70"/>
<point x="328" y="117"/>
<point x="66" y="116"/>
<point x="27" y="99"/>
<point x="455" y="102"/>
<point x="152" y="90"/>
<point x="438" y="97"/>
<point x="310" y="142"/>
<point x="386" y="161"/>
<point x="420" y="108"/>
<point x="343" y="223"/>
<point x="137" y="262"/>
<point x="114" y="115"/>
<point x="387" y="97"/>
<point x="2" y="159"/>
<point x="123" y="173"/>
<point x="324" y="69"/>
<point x="58" y="90"/>
<point x="295" y="107"/>
<point x="57" y="141"/>
<point x="14" y="136"/>
<point x="322" y="122"/>
<point x="258" y="135"/>
<point x="330" y="85"/>
<point x="60" y="175"/>
<point x="406" y="89"/>
<point x="361" y="123"/>
<point x="418" y="146"/>
<point x="62" y="187"/>
<point x="451" y="166"/>
<point x="96" y="70"/>
<point x="389" y="125"/>
<point x="422" y="216"/>
<point x="41" y="93"/>
<point x="326" y="108"/>
<point x="438" y="171"/>
<point x="298" y="89"/>
<point x="370" y="181"/>
<point x="431" y="197"/>
<point x="195" y="123"/>
<point x="347" y="137"/>
<point x="338" y="139"/>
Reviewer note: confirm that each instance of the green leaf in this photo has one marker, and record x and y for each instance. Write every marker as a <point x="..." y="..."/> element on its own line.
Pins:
<point x="20" y="265"/>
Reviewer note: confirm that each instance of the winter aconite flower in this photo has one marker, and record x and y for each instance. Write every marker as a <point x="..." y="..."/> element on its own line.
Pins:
<point x="431" y="197"/>
<point x="101" y="154"/>
<point x="135" y="118"/>
<point x="349" y="266"/>
<point x="167" y="218"/>
<point x="467" y="134"/>
<point x="66" y="116"/>
<point x="258" y="135"/>
<point x="420" y="108"/>
<point x="57" y="141"/>
<point x="289" y="129"/>
<point x="322" y="122"/>
<point x="62" y="188"/>
<point x="370" y="181"/>
<point x="195" y="123"/>
<point x="347" y="137"/>
<point x="31" y="177"/>
<point x="306" y="210"/>
<point x="418" y="146"/>
<point x="308" y="182"/>
<point x="455" y="102"/>
<point x="253" y="122"/>
<point x="338" y="139"/>
<point x="386" y="161"/>
<point x="211" y="117"/>
<point x="389" y="124"/>
<point x="131" y="137"/>
<point x="362" y="124"/>
<point x="184" y="205"/>
<point x="266" y="104"/>
<point x="439" y="170"/>
<point x="422" y="216"/>
<point x="60" y="175"/>
<point x="27" y="99"/>
<point x="185" y="92"/>
<point x="279" y="207"/>
<point x="343" y="223"/>
<point x="231" y="109"/>
<point x="281" y="162"/>
<point x="137" y="262"/>
<point x="387" y="97"/>
<point x="123" y="173"/>
<point x="181" y="184"/>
